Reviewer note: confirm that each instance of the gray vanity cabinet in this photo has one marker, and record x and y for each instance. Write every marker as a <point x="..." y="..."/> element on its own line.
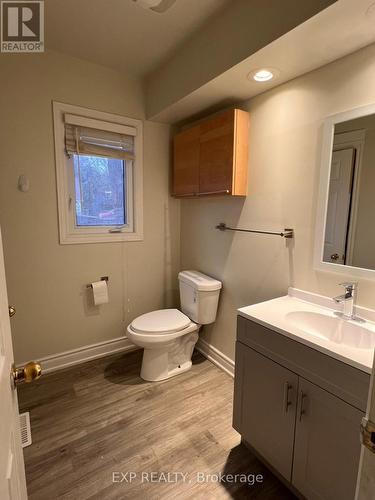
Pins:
<point x="300" y="411"/>
<point x="327" y="445"/>
<point x="267" y="408"/>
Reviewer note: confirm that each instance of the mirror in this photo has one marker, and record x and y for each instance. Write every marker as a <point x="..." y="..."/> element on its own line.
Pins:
<point x="346" y="211"/>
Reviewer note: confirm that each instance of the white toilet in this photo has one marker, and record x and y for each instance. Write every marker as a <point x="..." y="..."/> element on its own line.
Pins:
<point x="169" y="335"/>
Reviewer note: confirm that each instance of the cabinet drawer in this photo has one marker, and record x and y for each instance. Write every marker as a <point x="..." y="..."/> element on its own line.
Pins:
<point x="342" y="380"/>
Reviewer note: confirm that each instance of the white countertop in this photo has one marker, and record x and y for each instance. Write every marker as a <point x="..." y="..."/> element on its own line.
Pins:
<point x="276" y="313"/>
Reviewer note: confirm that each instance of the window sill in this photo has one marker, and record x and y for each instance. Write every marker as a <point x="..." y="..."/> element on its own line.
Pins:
<point x="71" y="239"/>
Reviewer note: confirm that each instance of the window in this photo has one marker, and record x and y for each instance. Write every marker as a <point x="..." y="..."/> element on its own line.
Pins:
<point x="99" y="175"/>
<point x="100" y="191"/>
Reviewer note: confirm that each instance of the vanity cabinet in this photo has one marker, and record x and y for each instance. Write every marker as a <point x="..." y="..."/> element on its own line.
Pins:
<point x="300" y="411"/>
<point x="211" y="158"/>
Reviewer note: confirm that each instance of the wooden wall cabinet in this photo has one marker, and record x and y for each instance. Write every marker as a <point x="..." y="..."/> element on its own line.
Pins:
<point x="306" y="430"/>
<point x="211" y="158"/>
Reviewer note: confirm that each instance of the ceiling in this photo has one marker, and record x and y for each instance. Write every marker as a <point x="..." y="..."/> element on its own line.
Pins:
<point x="337" y="31"/>
<point x="122" y="35"/>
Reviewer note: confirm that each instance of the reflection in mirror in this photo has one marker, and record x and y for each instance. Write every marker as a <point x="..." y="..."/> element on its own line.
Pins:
<point x="350" y="220"/>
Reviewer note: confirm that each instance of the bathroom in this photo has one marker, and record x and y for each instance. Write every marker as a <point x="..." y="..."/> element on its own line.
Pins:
<point x="94" y="421"/>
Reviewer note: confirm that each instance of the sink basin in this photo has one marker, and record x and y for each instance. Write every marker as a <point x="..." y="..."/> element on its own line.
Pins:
<point x="334" y="329"/>
<point x="313" y="320"/>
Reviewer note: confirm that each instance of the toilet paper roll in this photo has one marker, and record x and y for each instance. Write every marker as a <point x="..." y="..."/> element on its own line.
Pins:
<point x="100" y="291"/>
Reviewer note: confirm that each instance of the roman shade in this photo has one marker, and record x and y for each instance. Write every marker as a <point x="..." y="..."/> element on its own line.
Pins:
<point x="93" y="137"/>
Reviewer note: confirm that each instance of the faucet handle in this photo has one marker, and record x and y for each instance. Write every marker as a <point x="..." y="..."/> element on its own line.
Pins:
<point x="350" y="286"/>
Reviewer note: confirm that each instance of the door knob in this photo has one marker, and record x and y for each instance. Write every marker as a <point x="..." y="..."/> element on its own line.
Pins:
<point x="12" y="311"/>
<point x="335" y="256"/>
<point x="30" y="372"/>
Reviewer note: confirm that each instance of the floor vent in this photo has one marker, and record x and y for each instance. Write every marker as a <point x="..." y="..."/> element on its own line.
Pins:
<point x="25" y="429"/>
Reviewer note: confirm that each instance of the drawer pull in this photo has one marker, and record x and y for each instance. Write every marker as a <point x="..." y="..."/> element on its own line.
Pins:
<point x="302" y="410"/>
<point x="287" y="403"/>
<point x="182" y="195"/>
<point x="222" y="191"/>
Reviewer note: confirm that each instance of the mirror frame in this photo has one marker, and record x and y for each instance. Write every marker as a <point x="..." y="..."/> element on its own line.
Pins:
<point x="322" y="204"/>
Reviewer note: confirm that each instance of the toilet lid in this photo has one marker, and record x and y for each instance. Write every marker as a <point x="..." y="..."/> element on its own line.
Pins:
<point x="162" y="321"/>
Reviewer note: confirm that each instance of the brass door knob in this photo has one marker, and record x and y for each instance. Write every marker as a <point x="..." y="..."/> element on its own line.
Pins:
<point x="30" y="372"/>
<point x="12" y="311"/>
<point x="335" y="256"/>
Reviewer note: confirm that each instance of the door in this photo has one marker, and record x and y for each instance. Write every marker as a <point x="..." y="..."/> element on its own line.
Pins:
<point x="366" y="473"/>
<point x="327" y="446"/>
<point x="338" y="210"/>
<point x="217" y="154"/>
<point x="186" y="163"/>
<point x="265" y="407"/>
<point x="12" y="473"/>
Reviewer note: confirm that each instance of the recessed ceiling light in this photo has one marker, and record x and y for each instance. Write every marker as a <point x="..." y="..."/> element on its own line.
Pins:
<point x="263" y="74"/>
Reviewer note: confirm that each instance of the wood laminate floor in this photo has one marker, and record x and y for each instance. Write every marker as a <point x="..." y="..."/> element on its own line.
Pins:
<point x="99" y="418"/>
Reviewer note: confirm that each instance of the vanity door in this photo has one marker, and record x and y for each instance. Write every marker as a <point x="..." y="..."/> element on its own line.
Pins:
<point x="327" y="445"/>
<point x="265" y="407"/>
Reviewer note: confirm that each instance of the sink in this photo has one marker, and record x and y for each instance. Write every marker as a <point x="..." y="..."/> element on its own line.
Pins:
<point x="314" y="320"/>
<point x="334" y="329"/>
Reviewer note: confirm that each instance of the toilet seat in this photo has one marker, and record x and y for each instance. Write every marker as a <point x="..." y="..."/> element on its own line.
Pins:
<point x="159" y="339"/>
<point x="161" y="322"/>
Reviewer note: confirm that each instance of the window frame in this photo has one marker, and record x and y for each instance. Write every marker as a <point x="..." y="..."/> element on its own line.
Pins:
<point x="69" y="232"/>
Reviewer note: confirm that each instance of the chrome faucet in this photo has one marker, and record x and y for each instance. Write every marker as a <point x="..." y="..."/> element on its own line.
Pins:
<point x="348" y="299"/>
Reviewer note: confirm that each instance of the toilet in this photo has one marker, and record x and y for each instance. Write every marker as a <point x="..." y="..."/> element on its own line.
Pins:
<point x="168" y="336"/>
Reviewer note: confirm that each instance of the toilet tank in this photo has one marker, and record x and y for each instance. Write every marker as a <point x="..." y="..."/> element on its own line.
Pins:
<point x="199" y="296"/>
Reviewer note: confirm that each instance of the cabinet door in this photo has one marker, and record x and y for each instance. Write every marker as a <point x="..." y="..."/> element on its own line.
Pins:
<point x="186" y="162"/>
<point x="265" y="407"/>
<point x="217" y="154"/>
<point x="327" y="445"/>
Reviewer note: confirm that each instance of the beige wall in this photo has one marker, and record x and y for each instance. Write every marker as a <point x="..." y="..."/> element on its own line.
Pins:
<point x="46" y="281"/>
<point x="285" y="146"/>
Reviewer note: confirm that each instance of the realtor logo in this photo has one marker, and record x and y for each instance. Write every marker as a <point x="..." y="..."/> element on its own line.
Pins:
<point x="22" y="26"/>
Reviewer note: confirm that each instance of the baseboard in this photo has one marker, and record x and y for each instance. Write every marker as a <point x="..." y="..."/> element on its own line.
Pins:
<point x="121" y="344"/>
<point x="215" y="356"/>
<point x="82" y="354"/>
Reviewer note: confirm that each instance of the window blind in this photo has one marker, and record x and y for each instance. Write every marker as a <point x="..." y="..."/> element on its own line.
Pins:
<point x="90" y="141"/>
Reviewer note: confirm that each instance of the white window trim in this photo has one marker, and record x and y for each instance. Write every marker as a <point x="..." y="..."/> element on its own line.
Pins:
<point x="96" y="235"/>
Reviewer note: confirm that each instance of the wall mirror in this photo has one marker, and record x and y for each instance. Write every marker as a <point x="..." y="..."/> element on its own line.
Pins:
<point x="345" y="229"/>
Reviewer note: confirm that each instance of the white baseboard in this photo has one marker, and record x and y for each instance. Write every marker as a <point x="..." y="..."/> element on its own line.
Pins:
<point x="121" y="344"/>
<point x="215" y="356"/>
<point x="86" y="353"/>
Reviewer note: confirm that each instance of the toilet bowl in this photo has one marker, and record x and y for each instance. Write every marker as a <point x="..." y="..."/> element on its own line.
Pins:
<point x="168" y="336"/>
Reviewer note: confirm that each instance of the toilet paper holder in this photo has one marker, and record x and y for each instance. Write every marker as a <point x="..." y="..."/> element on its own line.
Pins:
<point x="103" y="278"/>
